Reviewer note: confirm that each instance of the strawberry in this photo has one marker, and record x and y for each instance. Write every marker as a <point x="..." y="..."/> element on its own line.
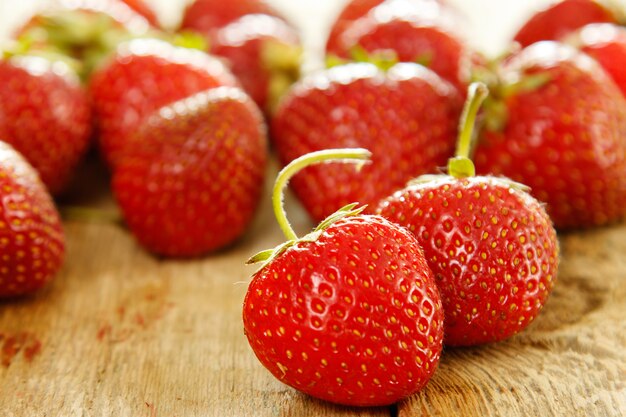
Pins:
<point x="261" y="47"/>
<point x="491" y="246"/>
<point x="45" y="114"/>
<point x="564" y="137"/>
<point x="421" y="31"/>
<point x="606" y="43"/>
<point x="356" y="9"/>
<point x="31" y="236"/>
<point x="406" y="116"/>
<point x="353" y="10"/>
<point x="86" y="30"/>
<point x="142" y="76"/>
<point x="349" y="313"/>
<point x="192" y="174"/>
<point x="561" y="18"/>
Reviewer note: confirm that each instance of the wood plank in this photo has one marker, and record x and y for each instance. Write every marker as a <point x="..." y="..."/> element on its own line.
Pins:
<point x="570" y="362"/>
<point x="122" y="333"/>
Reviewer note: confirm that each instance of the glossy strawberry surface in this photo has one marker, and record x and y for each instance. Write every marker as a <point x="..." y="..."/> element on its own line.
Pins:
<point x="424" y="31"/>
<point x="142" y="76"/>
<point x="45" y="114"/>
<point x="565" y="139"/>
<point x="492" y="249"/>
<point x="353" y="317"/>
<point x="561" y="18"/>
<point x="193" y="173"/>
<point x="32" y="244"/>
<point x="407" y="117"/>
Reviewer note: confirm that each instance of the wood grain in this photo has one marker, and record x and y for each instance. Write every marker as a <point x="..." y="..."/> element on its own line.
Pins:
<point x="122" y="333"/>
<point x="570" y="362"/>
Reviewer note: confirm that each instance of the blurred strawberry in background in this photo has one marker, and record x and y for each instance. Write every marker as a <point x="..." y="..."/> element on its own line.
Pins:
<point x="557" y="123"/>
<point x="86" y="30"/>
<point x="142" y="76"/>
<point x="406" y="116"/>
<point x="262" y="49"/>
<point x="421" y="31"/>
<point x="45" y="114"/>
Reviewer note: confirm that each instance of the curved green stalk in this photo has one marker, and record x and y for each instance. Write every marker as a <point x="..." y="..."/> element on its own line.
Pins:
<point x="358" y="156"/>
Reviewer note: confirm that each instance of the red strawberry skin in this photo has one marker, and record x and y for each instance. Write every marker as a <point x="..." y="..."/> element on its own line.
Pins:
<point x="562" y="18"/>
<point x="31" y="236"/>
<point x="352" y="11"/>
<point x="565" y="139"/>
<point x="606" y="43"/>
<point x="142" y="76"/>
<point x="46" y="115"/>
<point x="353" y="318"/>
<point x="406" y="117"/>
<point x="207" y="15"/>
<point x="492" y="248"/>
<point x="419" y="31"/>
<point x="246" y="43"/>
<point x="191" y="180"/>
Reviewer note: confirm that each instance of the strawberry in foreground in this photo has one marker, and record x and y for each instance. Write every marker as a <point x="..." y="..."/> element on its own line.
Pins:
<point x="262" y="49"/>
<point x="422" y="31"/>
<point x="45" y="115"/>
<point x="348" y="313"/>
<point x="491" y="246"/>
<point x="557" y="123"/>
<point x="31" y="236"/>
<point x="193" y="173"/>
<point x="142" y="76"/>
<point x="407" y="116"/>
<point x="562" y="18"/>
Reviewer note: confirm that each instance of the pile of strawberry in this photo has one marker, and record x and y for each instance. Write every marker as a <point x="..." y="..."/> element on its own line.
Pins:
<point x="406" y="257"/>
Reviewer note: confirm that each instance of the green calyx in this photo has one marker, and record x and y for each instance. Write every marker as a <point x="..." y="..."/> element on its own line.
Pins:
<point x="383" y="59"/>
<point x="356" y="156"/>
<point x="461" y="166"/>
<point x="282" y="61"/>
<point x="84" y="36"/>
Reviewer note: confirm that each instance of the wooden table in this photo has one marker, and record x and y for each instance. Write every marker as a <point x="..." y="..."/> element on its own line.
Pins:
<point x="122" y="333"/>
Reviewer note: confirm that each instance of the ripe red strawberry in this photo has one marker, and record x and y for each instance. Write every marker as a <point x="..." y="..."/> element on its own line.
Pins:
<point x="192" y="174"/>
<point x="562" y="18"/>
<point x="606" y="43"/>
<point x="45" y="115"/>
<point x="423" y="31"/>
<point x="31" y="236"/>
<point x="491" y="246"/>
<point x="565" y="138"/>
<point x="142" y="76"/>
<point x="261" y="47"/>
<point x="86" y="30"/>
<point x="349" y="313"/>
<point x="406" y="116"/>
<point x="353" y="10"/>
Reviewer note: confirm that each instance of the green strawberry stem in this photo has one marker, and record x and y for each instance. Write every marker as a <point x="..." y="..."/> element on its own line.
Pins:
<point x="357" y="156"/>
<point x="461" y="166"/>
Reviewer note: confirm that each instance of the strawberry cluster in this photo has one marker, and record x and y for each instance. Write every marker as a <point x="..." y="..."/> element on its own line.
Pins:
<point x="408" y="256"/>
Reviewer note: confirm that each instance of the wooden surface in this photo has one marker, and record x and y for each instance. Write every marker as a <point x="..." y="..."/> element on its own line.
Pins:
<point x="122" y="333"/>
